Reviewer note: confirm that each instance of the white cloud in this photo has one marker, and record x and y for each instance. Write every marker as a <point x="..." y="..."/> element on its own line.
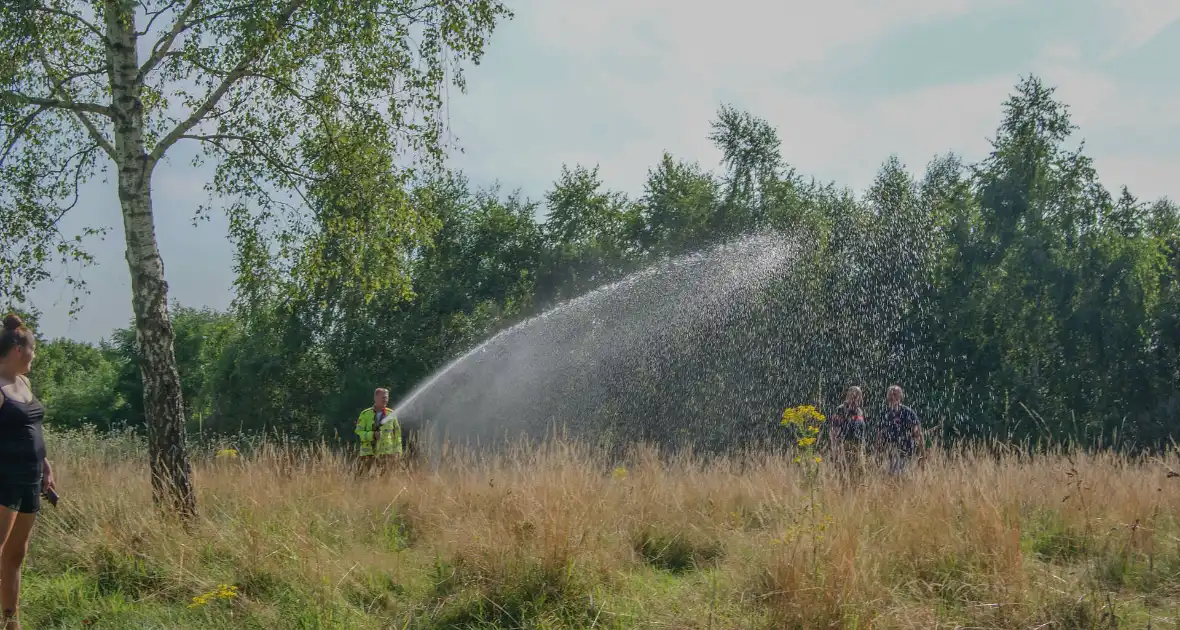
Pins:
<point x="1139" y="21"/>
<point x="695" y="56"/>
<point x="694" y="59"/>
<point x="717" y="39"/>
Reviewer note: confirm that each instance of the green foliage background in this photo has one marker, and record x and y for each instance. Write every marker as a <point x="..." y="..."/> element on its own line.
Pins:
<point x="1032" y="301"/>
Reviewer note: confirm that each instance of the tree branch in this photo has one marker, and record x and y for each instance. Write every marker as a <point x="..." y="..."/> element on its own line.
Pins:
<point x="309" y="102"/>
<point x="82" y="73"/>
<point x="19" y="131"/>
<point x="77" y="18"/>
<point x="211" y="101"/>
<point x="163" y="45"/>
<point x="79" y="109"/>
<point x="203" y="20"/>
<point x="219" y="139"/>
<point x="154" y="15"/>
<point x="58" y="88"/>
<point x="100" y="139"/>
<point x="91" y="128"/>
<point x="54" y="103"/>
<point x="82" y="156"/>
<point x="292" y="173"/>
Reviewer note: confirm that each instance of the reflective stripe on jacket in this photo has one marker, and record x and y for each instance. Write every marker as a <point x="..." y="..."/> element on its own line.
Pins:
<point x="389" y="433"/>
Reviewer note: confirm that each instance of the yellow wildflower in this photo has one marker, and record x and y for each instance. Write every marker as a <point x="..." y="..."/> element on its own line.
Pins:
<point x="223" y="591"/>
<point x="807" y="441"/>
<point x="802" y="415"/>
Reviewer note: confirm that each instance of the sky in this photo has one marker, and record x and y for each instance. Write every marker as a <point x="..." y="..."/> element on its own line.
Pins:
<point x="615" y="83"/>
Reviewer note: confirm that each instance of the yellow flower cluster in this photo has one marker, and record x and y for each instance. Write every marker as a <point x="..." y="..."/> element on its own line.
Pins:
<point x="807" y="419"/>
<point x="620" y="473"/>
<point x="802" y="416"/>
<point x="224" y="591"/>
<point x="227" y="453"/>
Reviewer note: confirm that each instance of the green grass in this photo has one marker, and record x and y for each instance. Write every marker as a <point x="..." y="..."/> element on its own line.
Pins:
<point x="552" y="539"/>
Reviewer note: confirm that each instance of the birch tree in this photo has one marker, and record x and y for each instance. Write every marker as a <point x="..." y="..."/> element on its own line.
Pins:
<point x="90" y="84"/>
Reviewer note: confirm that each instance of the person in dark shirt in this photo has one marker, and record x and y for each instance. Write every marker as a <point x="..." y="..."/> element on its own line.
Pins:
<point x="899" y="431"/>
<point x="846" y="433"/>
<point x="24" y="470"/>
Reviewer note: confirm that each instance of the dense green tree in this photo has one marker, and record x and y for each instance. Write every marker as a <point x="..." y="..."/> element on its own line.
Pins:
<point x="750" y="153"/>
<point x="78" y="383"/>
<point x="253" y="83"/>
<point x="677" y="207"/>
<point x="590" y="234"/>
<point x="198" y="332"/>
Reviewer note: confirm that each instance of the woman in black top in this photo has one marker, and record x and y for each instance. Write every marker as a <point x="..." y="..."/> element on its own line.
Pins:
<point x="24" y="471"/>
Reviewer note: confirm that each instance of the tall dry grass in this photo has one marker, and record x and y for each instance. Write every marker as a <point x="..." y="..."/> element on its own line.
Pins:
<point x="557" y="537"/>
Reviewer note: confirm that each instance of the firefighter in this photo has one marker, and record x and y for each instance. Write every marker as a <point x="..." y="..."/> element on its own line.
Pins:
<point x="379" y="432"/>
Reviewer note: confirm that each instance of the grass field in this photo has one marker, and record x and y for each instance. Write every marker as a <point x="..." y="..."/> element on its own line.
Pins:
<point x="557" y="537"/>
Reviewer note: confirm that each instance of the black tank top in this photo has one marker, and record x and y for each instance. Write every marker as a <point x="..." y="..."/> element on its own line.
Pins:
<point x="22" y="445"/>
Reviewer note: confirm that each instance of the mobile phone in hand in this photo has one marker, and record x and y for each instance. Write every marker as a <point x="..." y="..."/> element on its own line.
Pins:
<point x="50" y="495"/>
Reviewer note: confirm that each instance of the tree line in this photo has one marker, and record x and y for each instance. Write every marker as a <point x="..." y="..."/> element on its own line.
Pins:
<point x="1024" y="298"/>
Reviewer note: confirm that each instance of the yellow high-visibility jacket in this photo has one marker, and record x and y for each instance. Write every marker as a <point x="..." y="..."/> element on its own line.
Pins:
<point x="389" y="432"/>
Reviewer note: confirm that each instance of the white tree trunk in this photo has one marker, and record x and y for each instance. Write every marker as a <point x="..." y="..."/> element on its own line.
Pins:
<point x="163" y="404"/>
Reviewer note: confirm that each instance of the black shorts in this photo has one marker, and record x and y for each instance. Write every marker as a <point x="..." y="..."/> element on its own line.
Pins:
<point x="21" y="497"/>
